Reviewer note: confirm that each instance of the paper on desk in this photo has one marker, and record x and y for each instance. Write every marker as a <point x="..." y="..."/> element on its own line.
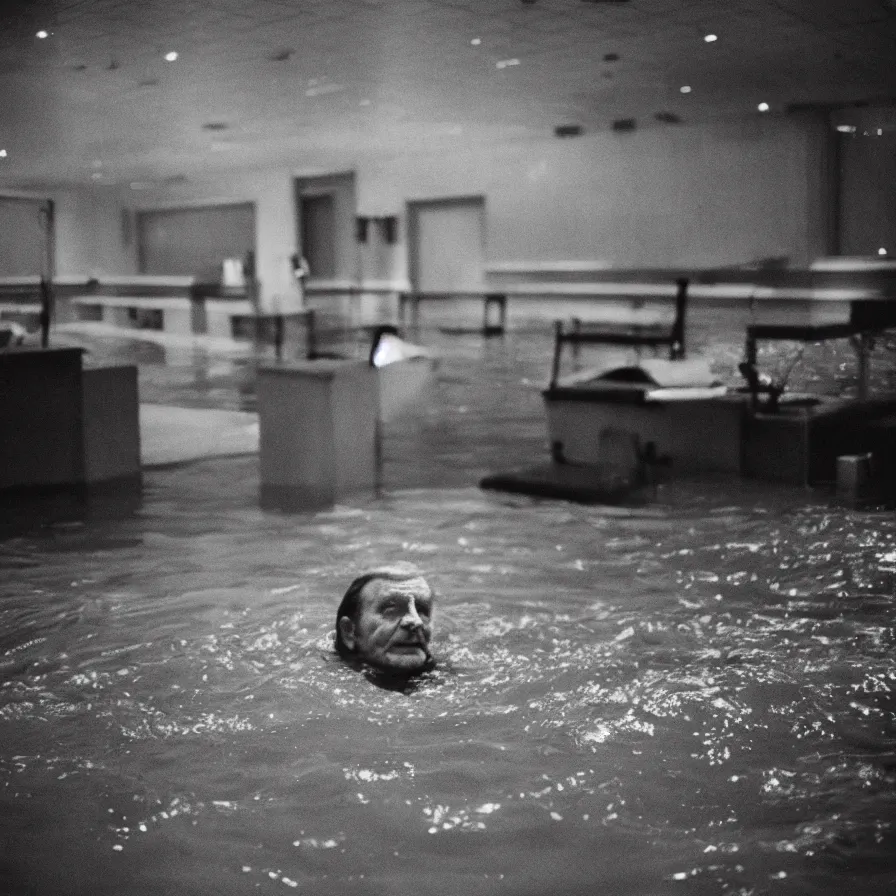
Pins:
<point x="686" y="393"/>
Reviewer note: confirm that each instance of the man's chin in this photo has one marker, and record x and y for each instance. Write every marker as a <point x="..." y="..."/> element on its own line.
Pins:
<point x="405" y="660"/>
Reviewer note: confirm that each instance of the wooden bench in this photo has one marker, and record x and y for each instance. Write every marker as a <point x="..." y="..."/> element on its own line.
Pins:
<point x="627" y="334"/>
<point x="490" y="300"/>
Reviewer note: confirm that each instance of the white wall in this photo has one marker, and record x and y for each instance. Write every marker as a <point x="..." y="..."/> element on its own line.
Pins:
<point x="682" y="195"/>
<point x="702" y="195"/>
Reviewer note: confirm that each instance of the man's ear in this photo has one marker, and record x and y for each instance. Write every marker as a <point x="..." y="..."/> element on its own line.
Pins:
<point x="347" y="631"/>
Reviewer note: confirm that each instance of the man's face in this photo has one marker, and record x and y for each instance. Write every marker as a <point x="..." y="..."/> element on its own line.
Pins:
<point x="393" y="626"/>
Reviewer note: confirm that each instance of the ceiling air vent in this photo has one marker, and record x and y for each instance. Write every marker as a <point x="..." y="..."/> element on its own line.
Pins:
<point x="215" y="126"/>
<point x="624" y="124"/>
<point x="568" y="130"/>
<point x="667" y="118"/>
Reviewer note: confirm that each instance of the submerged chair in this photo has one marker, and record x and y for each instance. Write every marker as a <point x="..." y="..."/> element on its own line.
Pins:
<point x="633" y="335"/>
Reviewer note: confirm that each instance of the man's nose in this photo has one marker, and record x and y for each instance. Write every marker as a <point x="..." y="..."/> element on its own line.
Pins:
<point x="411" y="618"/>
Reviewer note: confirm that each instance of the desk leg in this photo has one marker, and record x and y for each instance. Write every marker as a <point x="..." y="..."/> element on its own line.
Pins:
<point x="310" y="341"/>
<point x="863" y="343"/>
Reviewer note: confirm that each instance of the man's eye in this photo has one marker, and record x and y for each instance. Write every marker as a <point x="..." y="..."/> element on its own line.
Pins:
<point x="424" y="611"/>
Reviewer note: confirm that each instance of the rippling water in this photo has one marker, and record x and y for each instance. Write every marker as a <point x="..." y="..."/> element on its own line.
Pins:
<point x="692" y="697"/>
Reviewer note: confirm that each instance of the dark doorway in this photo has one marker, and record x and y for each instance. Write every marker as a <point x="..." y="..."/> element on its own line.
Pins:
<point x="318" y="229"/>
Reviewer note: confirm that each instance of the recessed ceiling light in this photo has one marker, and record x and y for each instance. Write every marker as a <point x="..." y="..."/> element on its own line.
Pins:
<point x="503" y="63"/>
<point x="711" y="38"/>
<point x="685" y="89"/>
<point x="170" y="57"/>
<point x="846" y="128"/>
<point x="881" y="251"/>
<point x="3" y="153"/>
<point x="763" y="107"/>
<point x="880" y="132"/>
<point x="43" y="34"/>
<point x="476" y="41"/>
<point x="324" y="89"/>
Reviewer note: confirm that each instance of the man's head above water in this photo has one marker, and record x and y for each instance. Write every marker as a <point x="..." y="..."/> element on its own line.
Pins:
<point x="385" y="620"/>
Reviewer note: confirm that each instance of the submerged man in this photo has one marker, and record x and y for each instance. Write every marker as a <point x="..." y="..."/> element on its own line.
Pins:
<point x="385" y="621"/>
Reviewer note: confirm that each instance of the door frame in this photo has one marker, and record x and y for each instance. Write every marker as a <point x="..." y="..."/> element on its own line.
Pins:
<point x="413" y="207"/>
<point x="332" y="183"/>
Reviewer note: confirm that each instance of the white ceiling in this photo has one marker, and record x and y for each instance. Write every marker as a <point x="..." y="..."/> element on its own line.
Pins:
<point x="325" y="84"/>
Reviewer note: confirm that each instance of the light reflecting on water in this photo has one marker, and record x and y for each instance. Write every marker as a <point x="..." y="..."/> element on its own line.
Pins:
<point x="693" y="697"/>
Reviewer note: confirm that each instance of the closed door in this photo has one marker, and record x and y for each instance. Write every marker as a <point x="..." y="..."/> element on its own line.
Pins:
<point x="447" y="244"/>
<point x="26" y="237"/>
<point x="318" y="222"/>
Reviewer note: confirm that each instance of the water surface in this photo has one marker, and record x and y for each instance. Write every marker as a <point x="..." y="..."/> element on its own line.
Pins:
<point x="691" y="697"/>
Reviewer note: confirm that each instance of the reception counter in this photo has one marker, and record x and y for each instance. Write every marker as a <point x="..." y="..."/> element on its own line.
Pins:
<point x="63" y="425"/>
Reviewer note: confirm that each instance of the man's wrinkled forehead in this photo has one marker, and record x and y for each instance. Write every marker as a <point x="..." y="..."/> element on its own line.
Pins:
<point x="415" y="586"/>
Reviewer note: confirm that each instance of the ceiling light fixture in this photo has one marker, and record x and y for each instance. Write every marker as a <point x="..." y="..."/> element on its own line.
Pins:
<point x="685" y="89"/>
<point x="846" y="128"/>
<point x="43" y="34"/>
<point x="170" y="57"/>
<point x="3" y="153"/>
<point x="711" y="38"/>
<point x="503" y="63"/>
<point x="881" y="251"/>
<point x="476" y="41"/>
<point x="763" y="107"/>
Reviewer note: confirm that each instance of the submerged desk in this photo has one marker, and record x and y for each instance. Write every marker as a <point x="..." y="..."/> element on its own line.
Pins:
<point x="814" y="315"/>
